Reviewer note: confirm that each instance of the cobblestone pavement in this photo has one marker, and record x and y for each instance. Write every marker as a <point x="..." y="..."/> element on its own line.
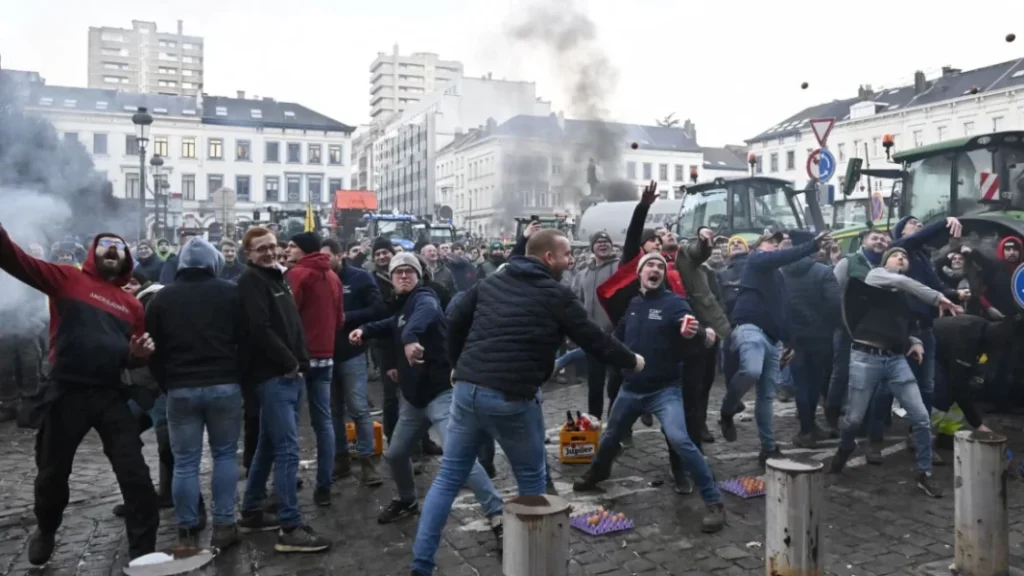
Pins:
<point x="877" y="521"/>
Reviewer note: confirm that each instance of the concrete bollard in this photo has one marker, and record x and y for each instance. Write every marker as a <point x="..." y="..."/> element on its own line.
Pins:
<point x="795" y="505"/>
<point x="536" y="541"/>
<point x="982" y="538"/>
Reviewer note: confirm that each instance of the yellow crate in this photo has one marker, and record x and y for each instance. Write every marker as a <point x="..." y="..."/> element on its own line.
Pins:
<point x="378" y="437"/>
<point x="578" y="447"/>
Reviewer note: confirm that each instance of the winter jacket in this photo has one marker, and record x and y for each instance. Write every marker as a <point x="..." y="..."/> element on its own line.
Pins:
<point x="921" y="268"/>
<point x="585" y="285"/>
<point x="152" y="267"/>
<point x="503" y="334"/>
<point x="464" y="273"/>
<point x="488" y="267"/>
<point x="317" y="293"/>
<point x="92" y="320"/>
<point x="273" y="342"/>
<point x="362" y="304"/>
<point x="232" y="270"/>
<point x="696" y="280"/>
<point x="730" y="280"/>
<point x="762" y="297"/>
<point x="196" y="323"/>
<point x="419" y="320"/>
<point x="443" y="276"/>
<point x="651" y="328"/>
<point x="169" y="270"/>
<point x="997" y="275"/>
<point x="814" y="307"/>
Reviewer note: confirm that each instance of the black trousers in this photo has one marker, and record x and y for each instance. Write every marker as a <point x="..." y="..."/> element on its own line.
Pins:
<point x="250" y="423"/>
<point x="65" y="423"/>
<point x="597" y="374"/>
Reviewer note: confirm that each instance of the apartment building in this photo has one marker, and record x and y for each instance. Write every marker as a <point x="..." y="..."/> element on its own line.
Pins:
<point x="397" y="81"/>
<point x="146" y="60"/>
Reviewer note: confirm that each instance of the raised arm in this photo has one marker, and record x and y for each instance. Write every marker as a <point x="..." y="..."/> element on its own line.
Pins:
<point x="46" y="277"/>
<point x="882" y="278"/>
<point x="631" y="245"/>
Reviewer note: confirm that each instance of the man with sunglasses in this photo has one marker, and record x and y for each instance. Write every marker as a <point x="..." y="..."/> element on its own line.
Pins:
<point x="96" y="331"/>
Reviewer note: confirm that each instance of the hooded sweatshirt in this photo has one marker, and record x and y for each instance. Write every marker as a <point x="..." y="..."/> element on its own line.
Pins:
<point x="362" y="303"/>
<point x="92" y="320"/>
<point x="196" y="323"/>
<point x="997" y="276"/>
<point x="318" y="295"/>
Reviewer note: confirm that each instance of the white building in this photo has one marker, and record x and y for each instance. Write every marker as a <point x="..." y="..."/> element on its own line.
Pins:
<point x="273" y="155"/>
<point x="397" y="82"/>
<point x="144" y="59"/>
<point x="404" y="153"/>
<point x="952" y="105"/>
<point x="537" y="165"/>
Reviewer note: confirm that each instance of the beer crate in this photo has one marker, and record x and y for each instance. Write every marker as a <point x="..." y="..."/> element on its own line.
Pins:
<point x="578" y="447"/>
<point x="378" y="437"/>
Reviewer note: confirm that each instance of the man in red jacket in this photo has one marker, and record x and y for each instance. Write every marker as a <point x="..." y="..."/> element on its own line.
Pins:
<point x="317" y="292"/>
<point x="96" y="331"/>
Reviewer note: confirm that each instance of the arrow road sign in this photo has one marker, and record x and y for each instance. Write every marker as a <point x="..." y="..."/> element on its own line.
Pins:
<point x="1017" y="284"/>
<point x="822" y="127"/>
<point x="825" y="169"/>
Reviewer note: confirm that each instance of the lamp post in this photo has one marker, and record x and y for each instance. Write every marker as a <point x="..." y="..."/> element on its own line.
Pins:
<point x="142" y="121"/>
<point x="156" y="163"/>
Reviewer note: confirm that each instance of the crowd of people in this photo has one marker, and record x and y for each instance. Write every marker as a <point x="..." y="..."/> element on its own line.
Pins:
<point x="226" y="341"/>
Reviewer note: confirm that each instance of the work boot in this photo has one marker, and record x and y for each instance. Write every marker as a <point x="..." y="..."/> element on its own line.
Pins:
<point x="371" y="477"/>
<point x="839" y="461"/>
<point x="342" y="466"/>
<point x="224" y="536"/>
<point x="40" y="547"/>
<point x="589" y="481"/>
<point x="873" y="453"/>
<point x="322" y="496"/>
<point x="714" y="520"/>
<point x="728" y="428"/>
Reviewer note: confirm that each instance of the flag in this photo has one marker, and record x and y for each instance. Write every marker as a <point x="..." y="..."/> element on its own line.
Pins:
<point x="310" y="221"/>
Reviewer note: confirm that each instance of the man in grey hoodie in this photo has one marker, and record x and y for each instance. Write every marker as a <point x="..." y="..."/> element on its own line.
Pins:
<point x="585" y="284"/>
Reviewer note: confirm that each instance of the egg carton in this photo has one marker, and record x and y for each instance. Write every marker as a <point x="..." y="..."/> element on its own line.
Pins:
<point x="737" y="486"/>
<point x="607" y="525"/>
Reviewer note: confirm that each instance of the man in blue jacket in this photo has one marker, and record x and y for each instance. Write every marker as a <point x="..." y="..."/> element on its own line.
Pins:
<point x="759" y="317"/>
<point x="362" y="303"/>
<point x="658" y="324"/>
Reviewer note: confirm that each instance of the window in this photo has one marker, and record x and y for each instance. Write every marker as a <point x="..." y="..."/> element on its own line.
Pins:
<point x="99" y="143"/>
<point x="631" y="170"/>
<point x="314" y="184"/>
<point x="131" y="186"/>
<point x="131" y="146"/>
<point x="334" y="154"/>
<point x="314" y="154"/>
<point x="774" y="162"/>
<point x="242" y="150"/>
<point x="679" y="172"/>
<point x="663" y="172"/>
<point x="294" y="188"/>
<point x="186" y="72"/>
<point x="271" y="187"/>
<point x="647" y="170"/>
<point x="112" y="79"/>
<point x="221" y="111"/>
<point x="968" y="128"/>
<point x="215" y="149"/>
<point x="101" y="105"/>
<point x="187" y="85"/>
<point x="997" y="123"/>
<point x="70" y="103"/>
<point x="187" y="59"/>
<point x="842" y="152"/>
<point x="856" y="147"/>
<point x="214" y="182"/>
<point x="791" y="160"/>
<point x="332" y="185"/>
<point x="166" y="70"/>
<point x="188" y="147"/>
<point x="160" y="146"/>
<point x="256" y="113"/>
<point x="289" y="114"/>
<point x="188" y="186"/>
<point x="187" y="46"/>
<point x="273" y="152"/>
<point x="918" y="138"/>
<point x="242" y="188"/>
<point x="294" y="153"/>
<point x="111" y="37"/>
<point x="874" y="147"/>
<point x="759" y="167"/>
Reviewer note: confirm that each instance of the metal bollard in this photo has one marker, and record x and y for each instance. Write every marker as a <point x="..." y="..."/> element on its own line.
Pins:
<point x="795" y="505"/>
<point x="536" y="541"/>
<point x="982" y="545"/>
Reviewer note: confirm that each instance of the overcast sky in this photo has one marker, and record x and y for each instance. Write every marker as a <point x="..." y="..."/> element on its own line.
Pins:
<point x="733" y="67"/>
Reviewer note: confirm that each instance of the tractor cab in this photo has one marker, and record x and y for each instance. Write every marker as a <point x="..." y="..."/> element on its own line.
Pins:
<point x="557" y="221"/>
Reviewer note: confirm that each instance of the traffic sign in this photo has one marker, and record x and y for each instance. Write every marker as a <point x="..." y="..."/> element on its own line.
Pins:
<point x="877" y="206"/>
<point x="1017" y="285"/>
<point x="824" y="169"/>
<point x="822" y="127"/>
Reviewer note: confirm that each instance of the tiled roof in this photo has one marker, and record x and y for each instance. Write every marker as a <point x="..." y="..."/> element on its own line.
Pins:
<point x="723" y="159"/>
<point x="952" y="84"/>
<point x="267" y="113"/>
<point x="547" y="128"/>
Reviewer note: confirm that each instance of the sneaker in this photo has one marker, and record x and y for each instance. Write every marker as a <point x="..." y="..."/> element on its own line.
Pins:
<point x="763" y="457"/>
<point x="342" y="466"/>
<point x="397" y="510"/>
<point x="371" y="477"/>
<point x="188" y="537"/>
<point x="225" y="536"/>
<point x="589" y="481"/>
<point x="40" y="547"/>
<point x="706" y="437"/>
<point x="873" y="453"/>
<point x="728" y="428"/>
<point x="300" y="539"/>
<point x="839" y="461"/>
<point x="322" y="496"/>
<point x="928" y="485"/>
<point x="627" y="440"/>
<point x="682" y="484"/>
<point x="499" y="531"/>
<point x="647" y="419"/>
<point x="805" y="441"/>
<point x="714" y="520"/>
<point x="257" y="521"/>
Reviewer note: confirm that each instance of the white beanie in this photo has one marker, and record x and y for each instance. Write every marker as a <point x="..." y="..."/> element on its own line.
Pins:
<point x="647" y="258"/>
<point x="405" y="259"/>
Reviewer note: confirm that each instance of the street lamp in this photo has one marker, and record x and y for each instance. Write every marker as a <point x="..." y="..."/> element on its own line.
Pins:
<point x="142" y="121"/>
<point x="156" y="163"/>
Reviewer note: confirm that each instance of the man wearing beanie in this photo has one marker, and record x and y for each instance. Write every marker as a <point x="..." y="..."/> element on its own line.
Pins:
<point x="597" y="271"/>
<point x="147" y="261"/>
<point x="658" y="325"/>
<point x="417" y="333"/>
<point x="880" y="319"/>
<point x="317" y="291"/>
<point x="495" y="258"/>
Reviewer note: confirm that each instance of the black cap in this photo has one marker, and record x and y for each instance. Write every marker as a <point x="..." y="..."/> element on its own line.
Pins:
<point x="382" y="243"/>
<point x="598" y="236"/>
<point x="647" y="235"/>
<point x="308" y="242"/>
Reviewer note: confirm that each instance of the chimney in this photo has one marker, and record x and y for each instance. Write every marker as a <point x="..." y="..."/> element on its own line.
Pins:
<point x="949" y="71"/>
<point x="241" y="94"/>
<point x="865" y="93"/>
<point x="492" y="124"/>
<point x="690" y="129"/>
<point x="920" y="83"/>
<point x="181" y="27"/>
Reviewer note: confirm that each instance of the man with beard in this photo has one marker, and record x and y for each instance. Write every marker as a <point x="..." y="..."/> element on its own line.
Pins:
<point x="96" y="331"/>
<point x="495" y="258"/>
<point x="232" y="267"/>
<point x="463" y="270"/>
<point x="170" y="268"/>
<point x="585" y="284"/>
<point x="147" y="262"/>
<point x="163" y="249"/>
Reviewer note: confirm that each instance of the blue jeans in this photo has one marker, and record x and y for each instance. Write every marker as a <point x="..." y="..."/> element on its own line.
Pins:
<point x="757" y="365"/>
<point x="924" y="373"/>
<point x="809" y="368"/>
<point x="518" y="427"/>
<point x="218" y="410"/>
<point x="412" y="423"/>
<point x="667" y="406"/>
<point x="278" y="447"/>
<point x="870" y="371"/>
<point x="318" y="386"/>
<point x="350" y="393"/>
<point x="574" y="356"/>
<point x="840" y="380"/>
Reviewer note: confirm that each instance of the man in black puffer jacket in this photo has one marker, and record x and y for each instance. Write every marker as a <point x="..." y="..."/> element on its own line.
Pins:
<point x="502" y="339"/>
